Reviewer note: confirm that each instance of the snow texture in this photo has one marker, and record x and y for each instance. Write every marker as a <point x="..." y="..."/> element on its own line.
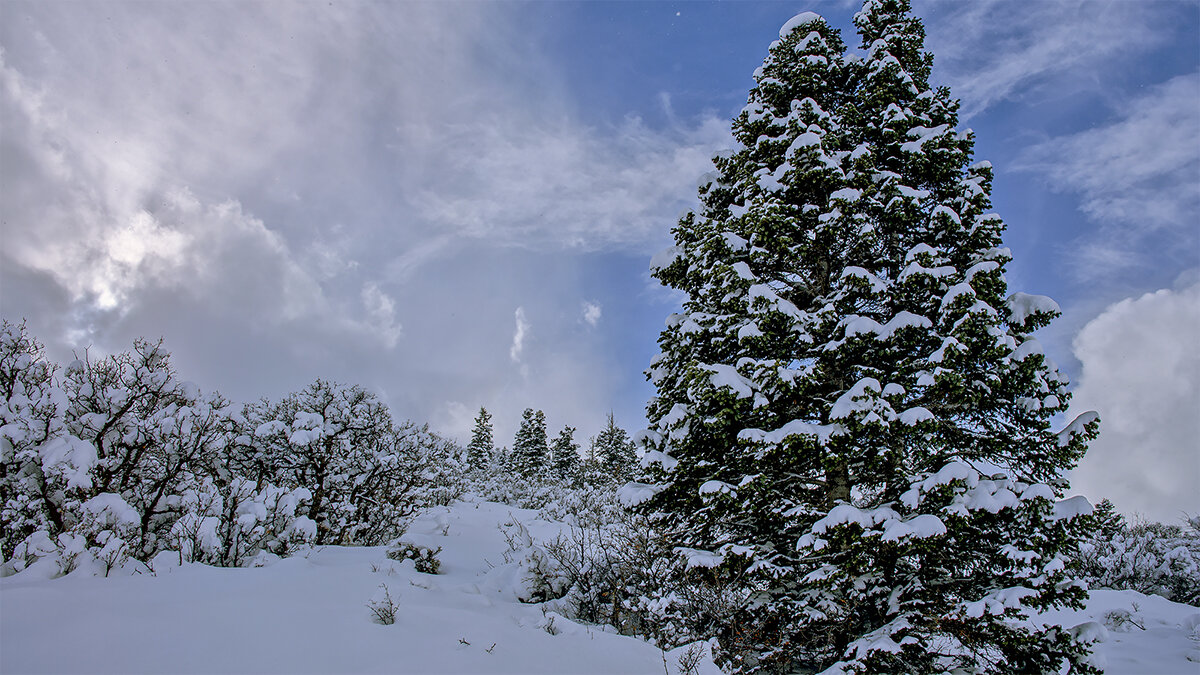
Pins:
<point x="308" y="614"/>
<point x="1021" y="306"/>
<point x="801" y="19"/>
<point x="285" y="616"/>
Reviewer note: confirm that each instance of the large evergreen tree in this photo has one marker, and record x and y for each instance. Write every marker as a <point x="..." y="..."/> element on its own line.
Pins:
<point x="481" y="447"/>
<point x="530" y="449"/>
<point x="852" y="416"/>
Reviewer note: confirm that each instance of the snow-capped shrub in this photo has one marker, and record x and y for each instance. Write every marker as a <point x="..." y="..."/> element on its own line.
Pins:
<point x="102" y="538"/>
<point x="424" y="558"/>
<point x="383" y="606"/>
<point x="229" y="525"/>
<point x="99" y="542"/>
<point x="149" y="431"/>
<point x="367" y="476"/>
<point x="618" y="570"/>
<point x="515" y="490"/>
<point x="1146" y="557"/>
<point x="31" y="409"/>
<point x="585" y="505"/>
<point x="119" y="459"/>
<point x="37" y="546"/>
<point x="540" y="580"/>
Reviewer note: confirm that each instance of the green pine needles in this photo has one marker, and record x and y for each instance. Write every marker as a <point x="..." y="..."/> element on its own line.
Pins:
<point x="482" y="446"/>
<point x="531" y="450"/>
<point x="852" y="419"/>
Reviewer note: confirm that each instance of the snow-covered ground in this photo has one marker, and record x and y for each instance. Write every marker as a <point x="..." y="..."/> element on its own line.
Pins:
<point x="309" y="614"/>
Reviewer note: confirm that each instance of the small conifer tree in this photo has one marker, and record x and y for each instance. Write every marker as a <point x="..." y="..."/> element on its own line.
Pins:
<point x="614" y="451"/>
<point x="530" y="451"/>
<point x="565" y="455"/>
<point x="481" y="447"/>
<point x="1108" y="522"/>
<point x="852" y="417"/>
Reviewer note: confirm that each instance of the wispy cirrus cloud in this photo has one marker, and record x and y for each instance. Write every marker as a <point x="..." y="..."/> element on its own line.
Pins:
<point x="519" y="331"/>
<point x="1137" y="177"/>
<point x="990" y="51"/>
<point x="561" y="184"/>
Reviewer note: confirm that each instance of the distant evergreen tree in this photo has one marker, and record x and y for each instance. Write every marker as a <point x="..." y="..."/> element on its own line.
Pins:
<point x="614" y="451"/>
<point x="591" y="471"/>
<point x="482" y="447"/>
<point x="565" y="455"/>
<point x="852" y="416"/>
<point x="1108" y="522"/>
<point x="530" y="451"/>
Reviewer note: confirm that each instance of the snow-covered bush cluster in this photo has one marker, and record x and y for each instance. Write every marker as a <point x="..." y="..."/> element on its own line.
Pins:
<point x="424" y="558"/>
<point x="110" y="462"/>
<point x="1146" y="557"/>
<point x="616" y="568"/>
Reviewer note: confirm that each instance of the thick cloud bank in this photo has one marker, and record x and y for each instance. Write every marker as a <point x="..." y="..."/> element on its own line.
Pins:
<point x="1141" y="371"/>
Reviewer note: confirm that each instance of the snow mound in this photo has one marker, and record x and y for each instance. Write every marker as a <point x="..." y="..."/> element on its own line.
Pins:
<point x="310" y="614"/>
<point x="801" y="19"/>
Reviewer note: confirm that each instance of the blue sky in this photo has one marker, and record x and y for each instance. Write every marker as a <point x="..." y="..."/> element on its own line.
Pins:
<point x="454" y="204"/>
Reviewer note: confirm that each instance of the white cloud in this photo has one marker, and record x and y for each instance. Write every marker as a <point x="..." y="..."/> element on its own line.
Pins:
<point x="1141" y="372"/>
<point x="529" y="182"/>
<point x="382" y="312"/>
<point x="989" y="51"/>
<point x="591" y="313"/>
<point x="275" y="189"/>
<point x="518" y="340"/>
<point x="122" y="184"/>
<point x="1136" y="176"/>
<point x="455" y="420"/>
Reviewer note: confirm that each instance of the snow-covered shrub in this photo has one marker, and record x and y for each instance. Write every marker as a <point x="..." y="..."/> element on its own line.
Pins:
<point x="439" y="463"/>
<point x="108" y="525"/>
<point x="383" y="607"/>
<point x="424" y="558"/>
<point x="583" y="505"/>
<point x="99" y="542"/>
<point x="1124" y="620"/>
<point x="229" y="525"/>
<point x="515" y="490"/>
<point x="119" y="459"/>
<point x="39" y="546"/>
<point x="367" y="476"/>
<point x="31" y="427"/>
<point x="618" y="570"/>
<point x="148" y="432"/>
<point x="1146" y="557"/>
<point x="540" y="580"/>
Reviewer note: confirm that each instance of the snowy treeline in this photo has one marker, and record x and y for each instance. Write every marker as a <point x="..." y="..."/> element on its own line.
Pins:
<point x="115" y="461"/>
<point x="110" y="462"/>
<point x="537" y="471"/>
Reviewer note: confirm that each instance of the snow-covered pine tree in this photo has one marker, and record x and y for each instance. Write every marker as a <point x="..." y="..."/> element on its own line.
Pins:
<point x="565" y="455"/>
<point x="1107" y="520"/>
<point x="615" y="451"/>
<point x="530" y="448"/>
<point x="851" y="413"/>
<point x="481" y="447"/>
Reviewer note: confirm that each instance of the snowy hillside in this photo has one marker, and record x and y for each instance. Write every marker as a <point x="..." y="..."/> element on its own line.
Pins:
<point x="309" y="614"/>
